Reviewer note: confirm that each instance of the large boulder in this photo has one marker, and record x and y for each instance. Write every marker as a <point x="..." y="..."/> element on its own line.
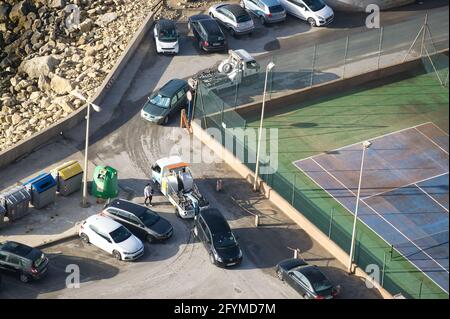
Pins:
<point x="38" y="66"/>
<point x="60" y="85"/>
<point x="105" y="19"/>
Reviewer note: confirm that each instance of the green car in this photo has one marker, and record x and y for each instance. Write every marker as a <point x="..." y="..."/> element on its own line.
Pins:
<point x="165" y="102"/>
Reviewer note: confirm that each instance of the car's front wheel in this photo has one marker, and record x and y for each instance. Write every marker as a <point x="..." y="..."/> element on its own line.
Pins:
<point x="117" y="255"/>
<point x="312" y="22"/>
<point x="212" y="259"/>
<point x="84" y="238"/>
<point x="166" y="120"/>
<point x="280" y="274"/>
<point x="150" y="239"/>
<point x="24" y="278"/>
<point x="262" y="20"/>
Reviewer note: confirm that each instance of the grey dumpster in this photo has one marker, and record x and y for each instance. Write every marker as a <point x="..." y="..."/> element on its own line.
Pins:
<point x="16" y="200"/>
<point x="42" y="189"/>
<point x="68" y="177"/>
<point x="2" y="215"/>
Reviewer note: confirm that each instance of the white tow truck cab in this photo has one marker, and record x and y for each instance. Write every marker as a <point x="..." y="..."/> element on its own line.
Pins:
<point x="177" y="184"/>
<point x="315" y="12"/>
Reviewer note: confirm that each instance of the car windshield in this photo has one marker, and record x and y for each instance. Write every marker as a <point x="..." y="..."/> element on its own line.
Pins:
<point x="243" y="18"/>
<point x="168" y="34"/>
<point x="149" y="218"/>
<point x="120" y="234"/>
<point x="315" y="5"/>
<point x="160" y="100"/>
<point x="224" y="240"/>
<point x="276" y="9"/>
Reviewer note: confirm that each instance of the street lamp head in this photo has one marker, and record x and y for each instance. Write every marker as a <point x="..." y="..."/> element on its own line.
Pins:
<point x="95" y="107"/>
<point x="367" y="144"/>
<point x="270" y="66"/>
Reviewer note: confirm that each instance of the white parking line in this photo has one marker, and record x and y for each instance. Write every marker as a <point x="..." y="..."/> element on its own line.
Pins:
<point x="431" y="141"/>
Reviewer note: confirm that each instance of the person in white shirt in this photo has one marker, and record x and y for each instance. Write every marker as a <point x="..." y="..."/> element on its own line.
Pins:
<point x="148" y="194"/>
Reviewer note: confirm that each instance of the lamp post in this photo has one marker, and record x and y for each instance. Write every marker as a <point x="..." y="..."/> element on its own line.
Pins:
<point x="268" y="69"/>
<point x="366" y="145"/>
<point x="96" y="108"/>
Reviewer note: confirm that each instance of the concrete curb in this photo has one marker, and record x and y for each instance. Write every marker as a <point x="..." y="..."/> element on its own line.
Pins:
<point x="57" y="241"/>
<point x="29" y="145"/>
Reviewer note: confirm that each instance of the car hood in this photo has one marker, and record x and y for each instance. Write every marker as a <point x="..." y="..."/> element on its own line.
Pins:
<point x="153" y="109"/>
<point x="131" y="245"/>
<point x="231" y="252"/>
<point x="167" y="44"/>
<point x="161" y="227"/>
<point x="325" y="12"/>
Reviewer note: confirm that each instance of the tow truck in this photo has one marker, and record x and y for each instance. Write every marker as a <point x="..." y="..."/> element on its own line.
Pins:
<point x="175" y="180"/>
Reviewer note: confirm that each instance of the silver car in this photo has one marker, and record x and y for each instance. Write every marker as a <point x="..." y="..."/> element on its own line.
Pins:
<point x="233" y="17"/>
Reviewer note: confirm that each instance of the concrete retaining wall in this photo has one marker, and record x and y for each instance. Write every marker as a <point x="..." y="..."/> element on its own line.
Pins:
<point x="38" y="139"/>
<point x="360" y="5"/>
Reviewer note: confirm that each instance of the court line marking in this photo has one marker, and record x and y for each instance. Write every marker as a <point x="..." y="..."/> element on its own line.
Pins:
<point x="430" y="235"/>
<point x="445" y="208"/>
<point x="431" y="141"/>
<point x="382" y="217"/>
<point x="394" y="189"/>
<point x="439" y="128"/>
<point x="400" y="232"/>
<point x="371" y="139"/>
<point x="376" y="233"/>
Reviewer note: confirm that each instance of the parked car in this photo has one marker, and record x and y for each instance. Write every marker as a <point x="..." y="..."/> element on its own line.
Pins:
<point x="166" y="36"/>
<point x="165" y="102"/>
<point x="315" y="12"/>
<point x="267" y="11"/>
<point x="27" y="262"/>
<point x="141" y="221"/>
<point x="212" y="229"/>
<point x="233" y="17"/>
<point x="112" y="237"/>
<point x="306" y="279"/>
<point x="208" y="33"/>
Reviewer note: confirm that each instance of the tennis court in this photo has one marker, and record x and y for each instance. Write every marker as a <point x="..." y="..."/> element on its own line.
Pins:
<point x="404" y="192"/>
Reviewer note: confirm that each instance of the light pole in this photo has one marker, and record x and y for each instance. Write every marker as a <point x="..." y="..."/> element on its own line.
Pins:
<point x="366" y="145"/>
<point x="96" y="108"/>
<point x="268" y="69"/>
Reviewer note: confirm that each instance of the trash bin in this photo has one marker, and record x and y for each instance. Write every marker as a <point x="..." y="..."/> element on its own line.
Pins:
<point x="69" y="177"/>
<point x="105" y="182"/>
<point x="2" y="215"/>
<point x="16" y="200"/>
<point x="42" y="189"/>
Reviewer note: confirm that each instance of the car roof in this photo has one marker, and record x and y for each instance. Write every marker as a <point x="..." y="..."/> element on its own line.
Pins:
<point x="127" y="206"/>
<point x="198" y="17"/>
<point x="16" y="248"/>
<point x="172" y="87"/>
<point x="215" y="220"/>
<point x="271" y="3"/>
<point x="312" y="273"/>
<point x="211" y="26"/>
<point x="166" y="161"/>
<point x="166" y="23"/>
<point x="235" y="9"/>
<point x="105" y="223"/>
<point x="243" y="55"/>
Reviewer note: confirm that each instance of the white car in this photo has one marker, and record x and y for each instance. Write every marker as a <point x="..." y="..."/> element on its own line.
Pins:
<point x="112" y="237"/>
<point x="315" y="12"/>
<point x="166" y="37"/>
<point x="233" y="17"/>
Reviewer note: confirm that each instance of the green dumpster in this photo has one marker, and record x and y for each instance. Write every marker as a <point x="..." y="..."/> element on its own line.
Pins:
<point x="105" y="183"/>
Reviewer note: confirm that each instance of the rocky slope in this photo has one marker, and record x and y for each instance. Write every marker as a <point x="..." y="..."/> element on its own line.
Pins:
<point x="42" y="57"/>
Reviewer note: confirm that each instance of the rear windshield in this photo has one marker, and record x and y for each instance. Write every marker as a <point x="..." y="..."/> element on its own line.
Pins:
<point x="243" y="18"/>
<point x="39" y="261"/>
<point x="276" y="9"/>
<point x="120" y="234"/>
<point x="211" y="27"/>
<point x="168" y="34"/>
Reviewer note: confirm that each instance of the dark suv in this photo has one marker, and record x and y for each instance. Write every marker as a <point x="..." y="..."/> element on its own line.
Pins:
<point x="211" y="228"/>
<point x="29" y="263"/>
<point x="141" y="221"/>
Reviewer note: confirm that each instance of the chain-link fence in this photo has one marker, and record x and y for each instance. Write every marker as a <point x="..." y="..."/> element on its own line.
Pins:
<point x="356" y="54"/>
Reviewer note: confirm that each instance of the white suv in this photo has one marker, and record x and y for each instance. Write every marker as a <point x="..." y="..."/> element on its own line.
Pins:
<point x="112" y="237"/>
<point x="315" y="12"/>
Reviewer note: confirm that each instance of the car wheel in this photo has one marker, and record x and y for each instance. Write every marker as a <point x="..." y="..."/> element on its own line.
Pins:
<point x="200" y="46"/>
<point x="117" y="255"/>
<point x="84" y="238"/>
<point x="212" y="259"/>
<point x="166" y="120"/>
<point x="177" y="213"/>
<point x="280" y="274"/>
<point x="211" y="15"/>
<point x="195" y="231"/>
<point x="262" y="20"/>
<point x="24" y="278"/>
<point x="242" y="4"/>
<point x="150" y="239"/>
<point x="312" y="22"/>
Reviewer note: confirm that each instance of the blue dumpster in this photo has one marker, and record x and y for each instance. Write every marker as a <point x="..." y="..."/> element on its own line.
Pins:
<point x="16" y="200"/>
<point x="42" y="189"/>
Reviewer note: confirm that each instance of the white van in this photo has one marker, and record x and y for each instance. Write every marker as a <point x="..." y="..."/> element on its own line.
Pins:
<point x="315" y="12"/>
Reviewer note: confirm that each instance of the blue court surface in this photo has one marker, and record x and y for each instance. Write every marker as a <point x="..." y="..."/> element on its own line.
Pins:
<point x="404" y="192"/>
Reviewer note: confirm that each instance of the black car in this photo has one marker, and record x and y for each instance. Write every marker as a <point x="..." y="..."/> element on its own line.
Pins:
<point x="208" y="33"/>
<point x="165" y="102"/>
<point x="27" y="262"/>
<point x="306" y="279"/>
<point x="212" y="229"/>
<point x="141" y="221"/>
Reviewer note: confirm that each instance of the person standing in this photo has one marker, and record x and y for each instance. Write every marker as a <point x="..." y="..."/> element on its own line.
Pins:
<point x="148" y="194"/>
